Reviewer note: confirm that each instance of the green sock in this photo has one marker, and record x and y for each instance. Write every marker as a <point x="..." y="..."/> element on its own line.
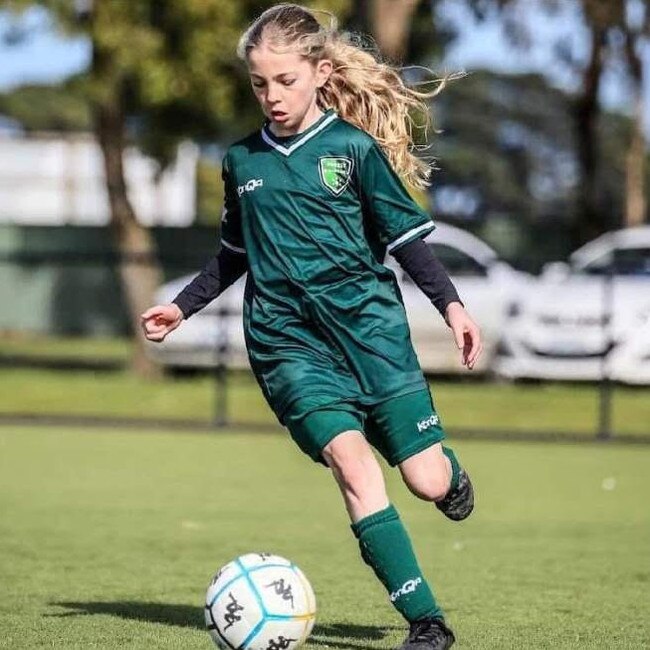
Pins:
<point x="386" y="548"/>
<point x="455" y="467"/>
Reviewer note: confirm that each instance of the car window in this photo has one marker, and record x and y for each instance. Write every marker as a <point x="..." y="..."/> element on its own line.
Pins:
<point x="628" y="261"/>
<point x="456" y="262"/>
<point x="599" y="266"/>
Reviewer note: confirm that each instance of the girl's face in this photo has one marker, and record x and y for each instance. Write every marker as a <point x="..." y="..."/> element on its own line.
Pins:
<point x="285" y="85"/>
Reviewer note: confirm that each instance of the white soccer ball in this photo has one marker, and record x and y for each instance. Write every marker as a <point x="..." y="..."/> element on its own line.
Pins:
<point x="260" y="601"/>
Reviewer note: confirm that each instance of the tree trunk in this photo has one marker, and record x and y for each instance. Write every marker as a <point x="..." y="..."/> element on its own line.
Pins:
<point x="586" y="120"/>
<point x="635" y="200"/>
<point x="138" y="267"/>
<point x="635" y="160"/>
<point x="390" y="24"/>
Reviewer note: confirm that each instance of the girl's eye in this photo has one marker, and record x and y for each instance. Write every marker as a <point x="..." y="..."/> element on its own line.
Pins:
<point x="258" y="84"/>
<point x="288" y="82"/>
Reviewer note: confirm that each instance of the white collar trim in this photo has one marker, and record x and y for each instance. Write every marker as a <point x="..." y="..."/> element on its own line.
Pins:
<point x="298" y="143"/>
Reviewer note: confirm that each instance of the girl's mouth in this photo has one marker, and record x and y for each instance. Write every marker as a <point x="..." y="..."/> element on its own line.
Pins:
<point x="279" y="116"/>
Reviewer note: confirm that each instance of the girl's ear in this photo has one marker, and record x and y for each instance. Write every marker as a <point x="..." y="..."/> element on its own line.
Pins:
<point x="323" y="71"/>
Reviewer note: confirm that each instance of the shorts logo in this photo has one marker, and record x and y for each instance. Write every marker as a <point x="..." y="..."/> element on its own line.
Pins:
<point x="250" y="185"/>
<point x="407" y="588"/>
<point x="335" y="173"/>
<point x="431" y="421"/>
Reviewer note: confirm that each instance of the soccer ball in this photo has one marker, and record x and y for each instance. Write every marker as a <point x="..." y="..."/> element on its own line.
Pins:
<point x="260" y="601"/>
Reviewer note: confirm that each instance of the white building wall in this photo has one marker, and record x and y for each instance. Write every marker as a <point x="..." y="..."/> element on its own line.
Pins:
<point x="52" y="180"/>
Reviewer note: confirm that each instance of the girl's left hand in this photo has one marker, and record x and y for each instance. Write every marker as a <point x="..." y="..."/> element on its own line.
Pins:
<point x="466" y="333"/>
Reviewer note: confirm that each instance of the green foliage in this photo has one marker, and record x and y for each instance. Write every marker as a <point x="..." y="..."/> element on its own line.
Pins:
<point x="209" y="189"/>
<point x="510" y="138"/>
<point x="47" y="108"/>
<point x="173" y="64"/>
<point x="615" y="34"/>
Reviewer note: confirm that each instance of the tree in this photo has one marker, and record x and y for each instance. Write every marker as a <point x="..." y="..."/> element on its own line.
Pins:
<point x="404" y="30"/>
<point x="626" y="23"/>
<point x="390" y="23"/>
<point x="605" y="21"/>
<point x="171" y="67"/>
<point x="635" y="27"/>
<point x="157" y="60"/>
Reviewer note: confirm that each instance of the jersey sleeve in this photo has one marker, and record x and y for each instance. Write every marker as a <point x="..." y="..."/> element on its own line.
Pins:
<point x="391" y="211"/>
<point x="231" y="227"/>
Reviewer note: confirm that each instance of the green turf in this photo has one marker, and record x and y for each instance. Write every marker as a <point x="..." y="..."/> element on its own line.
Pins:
<point x="96" y="349"/>
<point x="108" y="540"/>
<point x="471" y="405"/>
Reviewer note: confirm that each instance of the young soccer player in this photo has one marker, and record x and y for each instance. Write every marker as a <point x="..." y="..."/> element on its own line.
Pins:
<point x="313" y="202"/>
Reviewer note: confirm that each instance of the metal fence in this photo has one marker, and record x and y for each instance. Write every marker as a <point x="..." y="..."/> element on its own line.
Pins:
<point x="65" y="352"/>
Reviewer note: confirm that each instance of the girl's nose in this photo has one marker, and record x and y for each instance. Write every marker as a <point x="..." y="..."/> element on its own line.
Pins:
<point x="272" y="95"/>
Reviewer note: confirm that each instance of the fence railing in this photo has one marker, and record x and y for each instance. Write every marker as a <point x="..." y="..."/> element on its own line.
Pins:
<point x="65" y="348"/>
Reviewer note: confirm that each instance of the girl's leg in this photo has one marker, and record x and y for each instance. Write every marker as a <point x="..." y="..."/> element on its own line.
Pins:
<point x="357" y="474"/>
<point x="428" y="473"/>
<point x="383" y="540"/>
<point x="408" y="433"/>
<point x="435" y="475"/>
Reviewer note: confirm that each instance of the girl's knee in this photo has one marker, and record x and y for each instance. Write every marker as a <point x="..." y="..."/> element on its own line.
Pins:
<point x="428" y="476"/>
<point x="429" y="488"/>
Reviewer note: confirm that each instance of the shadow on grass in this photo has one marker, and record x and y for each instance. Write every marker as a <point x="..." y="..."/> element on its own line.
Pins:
<point x="334" y="635"/>
<point x="176" y="615"/>
<point x="327" y="635"/>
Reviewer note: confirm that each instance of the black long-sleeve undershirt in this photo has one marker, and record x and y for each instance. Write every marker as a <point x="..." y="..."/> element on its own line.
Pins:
<point x="428" y="273"/>
<point x="225" y="268"/>
<point x="217" y="275"/>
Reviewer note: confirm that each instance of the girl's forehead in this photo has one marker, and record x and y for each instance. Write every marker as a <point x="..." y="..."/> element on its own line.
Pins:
<point x="266" y="61"/>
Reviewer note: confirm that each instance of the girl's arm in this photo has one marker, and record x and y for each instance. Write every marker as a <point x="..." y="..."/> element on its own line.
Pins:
<point x="426" y="270"/>
<point x="400" y="224"/>
<point x="219" y="273"/>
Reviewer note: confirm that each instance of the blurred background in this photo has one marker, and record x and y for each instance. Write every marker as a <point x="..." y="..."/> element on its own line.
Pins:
<point x="114" y="117"/>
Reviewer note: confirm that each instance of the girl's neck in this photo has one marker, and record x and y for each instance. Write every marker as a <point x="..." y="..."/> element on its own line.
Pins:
<point x="311" y="116"/>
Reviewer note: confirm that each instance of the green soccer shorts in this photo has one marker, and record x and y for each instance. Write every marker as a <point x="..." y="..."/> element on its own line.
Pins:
<point x="397" y="428"/>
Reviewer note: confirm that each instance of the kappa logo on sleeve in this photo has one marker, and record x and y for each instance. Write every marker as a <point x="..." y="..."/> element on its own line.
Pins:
<point x="250" y="185"/>
<point x="335" y="172"/>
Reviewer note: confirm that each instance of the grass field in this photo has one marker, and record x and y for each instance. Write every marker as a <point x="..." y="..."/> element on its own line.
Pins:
<point x="549" y="407"/>
<point x="109" y="538"/>
<point x="473" y="405"/>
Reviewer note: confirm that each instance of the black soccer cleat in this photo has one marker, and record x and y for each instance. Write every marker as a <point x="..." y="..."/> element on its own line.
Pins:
<point x="459" y="502"/>
<point x="428" y="634"/>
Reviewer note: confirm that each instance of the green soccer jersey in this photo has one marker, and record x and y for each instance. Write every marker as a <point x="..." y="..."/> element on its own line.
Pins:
<point x="315" y="214"/>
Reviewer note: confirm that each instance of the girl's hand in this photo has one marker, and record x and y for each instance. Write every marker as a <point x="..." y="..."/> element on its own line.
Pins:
<point x="160" y="320"/>
<point x="466" y="333"/>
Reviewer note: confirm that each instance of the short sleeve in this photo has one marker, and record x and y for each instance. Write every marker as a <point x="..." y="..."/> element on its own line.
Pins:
<point x="231" y="227"/>
<point x="392" y="212"/>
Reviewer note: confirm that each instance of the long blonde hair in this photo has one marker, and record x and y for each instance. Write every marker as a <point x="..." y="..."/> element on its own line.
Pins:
<point x="362" y="89"/>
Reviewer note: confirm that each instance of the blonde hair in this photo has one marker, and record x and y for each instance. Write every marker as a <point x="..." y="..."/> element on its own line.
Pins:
<point x="361" y="88"/>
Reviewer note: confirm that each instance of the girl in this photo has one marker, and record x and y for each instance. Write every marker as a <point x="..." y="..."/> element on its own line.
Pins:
<point x="312" y="203"/>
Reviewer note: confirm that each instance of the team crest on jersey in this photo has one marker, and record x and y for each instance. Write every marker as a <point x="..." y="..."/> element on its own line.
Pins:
<point x="335" y="173"/>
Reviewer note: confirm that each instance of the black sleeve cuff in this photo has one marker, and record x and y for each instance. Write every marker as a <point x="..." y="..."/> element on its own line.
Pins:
<point x="183" y="303"/>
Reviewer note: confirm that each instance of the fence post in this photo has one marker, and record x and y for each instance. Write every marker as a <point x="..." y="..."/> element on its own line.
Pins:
<point x="220" y="417"/>
<point x="607" y="321"/>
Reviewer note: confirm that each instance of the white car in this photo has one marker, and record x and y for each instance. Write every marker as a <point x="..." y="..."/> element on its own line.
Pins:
<point x="486" y="285"/>
<point x="588" y="319"/>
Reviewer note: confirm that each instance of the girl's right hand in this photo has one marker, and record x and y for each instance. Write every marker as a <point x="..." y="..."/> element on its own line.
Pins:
<point x="160" y="320"/>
